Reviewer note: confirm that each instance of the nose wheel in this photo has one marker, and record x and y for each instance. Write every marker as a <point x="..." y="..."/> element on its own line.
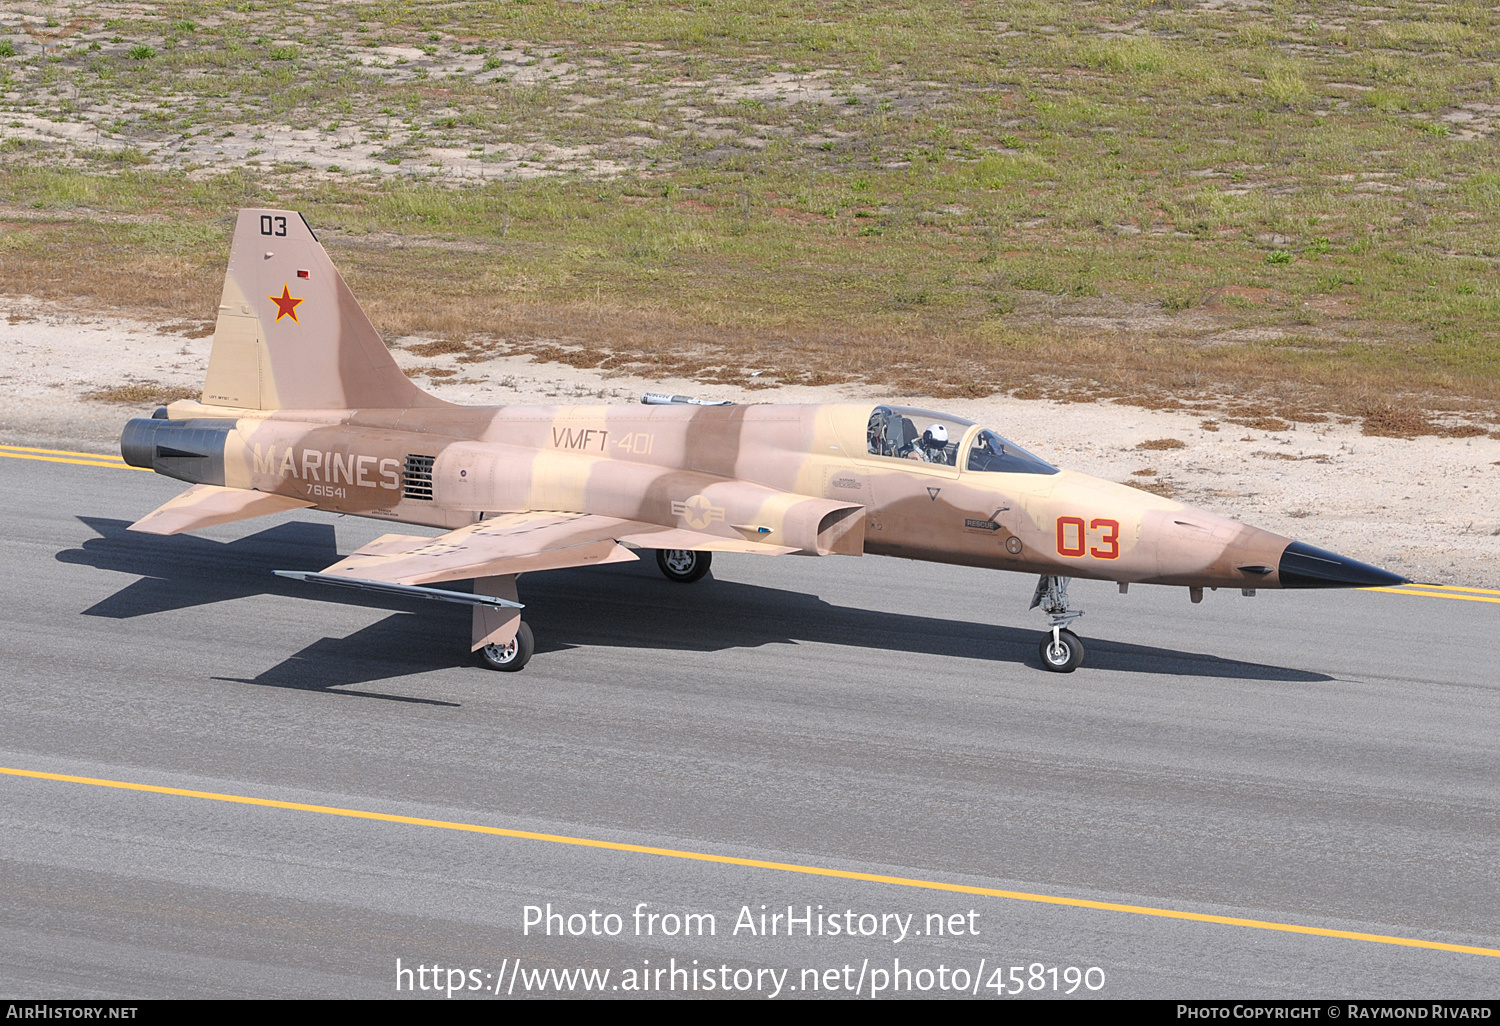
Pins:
<point x="1061" y="651"/>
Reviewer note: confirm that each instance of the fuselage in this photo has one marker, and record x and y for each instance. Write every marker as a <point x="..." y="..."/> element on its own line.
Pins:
<point x="813" y="478"/>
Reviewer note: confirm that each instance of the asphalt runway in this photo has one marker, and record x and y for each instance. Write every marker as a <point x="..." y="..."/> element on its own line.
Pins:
<point x="1322" y="760"/>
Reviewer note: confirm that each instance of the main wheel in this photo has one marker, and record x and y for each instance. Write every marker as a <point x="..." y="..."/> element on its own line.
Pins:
<point x="684" y="566"/>
<point x="513" y="656"/>
<point x="1063" y="657"/>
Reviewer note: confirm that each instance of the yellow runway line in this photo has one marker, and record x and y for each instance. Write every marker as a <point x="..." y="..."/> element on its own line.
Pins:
<point x="1453" y="587"/>
<point x="1412" y="592"/>
<point x="61" y="452"/>
<point x="82" y="459"/>
<point x="784" y="867"/>
<point x="81" y="463"/>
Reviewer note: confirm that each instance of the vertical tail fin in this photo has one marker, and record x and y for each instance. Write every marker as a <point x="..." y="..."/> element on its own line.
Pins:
<point x="291" y="335"/>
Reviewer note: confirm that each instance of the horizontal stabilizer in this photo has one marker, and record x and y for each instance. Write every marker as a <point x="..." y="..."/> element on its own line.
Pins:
<point x="462" y="598"/>
<point x="206" y="505"/>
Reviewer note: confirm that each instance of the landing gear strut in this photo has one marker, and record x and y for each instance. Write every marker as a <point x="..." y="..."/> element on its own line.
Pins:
<point x="683" y="566"/>
<point x="1061" y="651"/>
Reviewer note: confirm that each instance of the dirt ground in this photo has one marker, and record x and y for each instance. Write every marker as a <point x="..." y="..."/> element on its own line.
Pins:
<point x="1428" y="507"/>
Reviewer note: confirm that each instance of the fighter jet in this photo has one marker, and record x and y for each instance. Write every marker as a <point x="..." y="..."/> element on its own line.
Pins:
<point x="303" y="407"/>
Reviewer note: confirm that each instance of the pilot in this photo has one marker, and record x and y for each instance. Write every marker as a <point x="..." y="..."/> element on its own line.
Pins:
<point x="932" y="447"/>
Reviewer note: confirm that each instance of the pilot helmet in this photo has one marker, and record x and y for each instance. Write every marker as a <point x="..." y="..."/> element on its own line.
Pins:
<point x="935" y="437"/>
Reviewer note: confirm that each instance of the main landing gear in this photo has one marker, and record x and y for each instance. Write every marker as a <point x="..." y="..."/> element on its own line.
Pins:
<point x="683" y="566"/>
<point x="1061" y="651"/>
<point x="511" y="656"/>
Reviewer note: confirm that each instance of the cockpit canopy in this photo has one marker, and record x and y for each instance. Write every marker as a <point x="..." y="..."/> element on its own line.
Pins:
<point x="900" y="432"/>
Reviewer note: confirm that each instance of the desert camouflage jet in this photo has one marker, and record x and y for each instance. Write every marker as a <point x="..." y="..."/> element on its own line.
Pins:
<point x="303" y="407"/>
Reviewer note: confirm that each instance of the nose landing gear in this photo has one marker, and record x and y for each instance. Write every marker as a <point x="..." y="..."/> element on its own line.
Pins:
<point x="1061" y="650"/>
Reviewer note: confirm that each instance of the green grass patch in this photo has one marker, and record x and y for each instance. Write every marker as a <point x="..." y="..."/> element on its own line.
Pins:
<point x="986" y="176"/>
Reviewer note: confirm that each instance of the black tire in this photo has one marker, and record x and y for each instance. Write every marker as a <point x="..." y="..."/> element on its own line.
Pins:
<point x="1067" y="658"/>
<point x="683" y="566"/>
<point x="512" y="657"/>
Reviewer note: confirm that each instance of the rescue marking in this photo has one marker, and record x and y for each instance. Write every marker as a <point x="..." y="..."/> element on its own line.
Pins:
<point x="785" y="867"/>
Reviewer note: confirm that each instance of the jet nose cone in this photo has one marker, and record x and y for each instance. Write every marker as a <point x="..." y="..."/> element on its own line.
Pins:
<point x="1303" y="566"/>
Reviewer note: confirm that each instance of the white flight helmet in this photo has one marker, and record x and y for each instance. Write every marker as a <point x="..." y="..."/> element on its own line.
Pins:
<point x="935" y="437"/>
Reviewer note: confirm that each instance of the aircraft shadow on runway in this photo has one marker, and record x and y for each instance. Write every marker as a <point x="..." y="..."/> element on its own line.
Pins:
<point x="631" y="606"/>
<point x="400" y="645"/>
<point x="183" y="571"/>
<point x="620" y="606"/>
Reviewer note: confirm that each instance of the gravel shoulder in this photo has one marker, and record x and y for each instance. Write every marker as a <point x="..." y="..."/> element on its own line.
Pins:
<point x="1426" y="507"/>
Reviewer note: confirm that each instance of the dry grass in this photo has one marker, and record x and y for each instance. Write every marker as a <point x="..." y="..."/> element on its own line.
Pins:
<point x="1261" y="423"/>
<point x="440" y="347"/>
<point x="1273" y="215"/>
<point x="1290" y="457"/>
<point x="1158" y="444"/>
<point x="143" y="393"/>
<point x="187" y="329"/>
<point x="1385" y="420"/>
<point x="1156" y="486"/>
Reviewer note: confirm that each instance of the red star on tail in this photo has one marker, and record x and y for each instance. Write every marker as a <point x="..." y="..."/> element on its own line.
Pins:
<point x="286" y="304"/>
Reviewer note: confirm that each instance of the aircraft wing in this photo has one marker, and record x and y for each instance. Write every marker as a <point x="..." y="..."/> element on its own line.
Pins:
<point x="206" y="505"/>
<point x="521" y="543"/>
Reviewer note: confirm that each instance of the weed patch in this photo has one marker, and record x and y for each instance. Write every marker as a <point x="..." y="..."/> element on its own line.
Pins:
<point x="142" y="393"/>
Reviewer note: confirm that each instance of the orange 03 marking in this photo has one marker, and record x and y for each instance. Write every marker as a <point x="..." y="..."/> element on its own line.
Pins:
<point x="1111" y="537"/>
<point x="1063" y="548"/>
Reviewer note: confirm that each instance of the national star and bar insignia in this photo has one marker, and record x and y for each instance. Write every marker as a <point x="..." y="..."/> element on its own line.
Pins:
<point x="286" y="304"/>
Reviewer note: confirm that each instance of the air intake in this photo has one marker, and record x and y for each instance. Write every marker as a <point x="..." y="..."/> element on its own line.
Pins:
<point x="418" y="477"/>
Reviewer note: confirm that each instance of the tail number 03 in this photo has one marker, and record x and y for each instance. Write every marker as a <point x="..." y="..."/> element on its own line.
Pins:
<point x="1073" y="537"/>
